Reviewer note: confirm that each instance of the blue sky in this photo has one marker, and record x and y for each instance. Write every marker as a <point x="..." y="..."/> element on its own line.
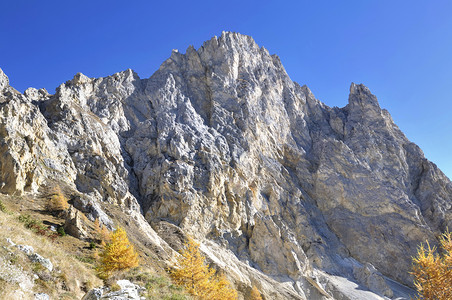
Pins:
<point x="401" y="50"/>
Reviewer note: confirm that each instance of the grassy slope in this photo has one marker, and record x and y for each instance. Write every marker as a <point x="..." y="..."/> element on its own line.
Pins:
<point x="73" y="259"/>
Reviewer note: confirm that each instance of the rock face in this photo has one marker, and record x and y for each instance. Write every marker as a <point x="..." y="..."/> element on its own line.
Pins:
<point x="222" y="144"/>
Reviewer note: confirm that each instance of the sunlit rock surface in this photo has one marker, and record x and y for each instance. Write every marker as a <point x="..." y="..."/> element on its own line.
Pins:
<point x="300" y="199"/>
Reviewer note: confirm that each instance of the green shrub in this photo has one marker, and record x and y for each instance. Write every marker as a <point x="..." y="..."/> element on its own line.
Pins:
<point x="37" y="226"/>
<point x="92" y="245"/>
<point x="30" y="223"/>
<point x="13" y="259"/>
<point x="61" y="231"/>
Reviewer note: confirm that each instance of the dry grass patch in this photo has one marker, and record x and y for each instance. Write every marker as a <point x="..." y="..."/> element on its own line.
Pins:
<point x="69" y="277"/>
<point x="75" y="260"/>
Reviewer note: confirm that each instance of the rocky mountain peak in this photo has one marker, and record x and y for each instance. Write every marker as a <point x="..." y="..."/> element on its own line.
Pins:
<point x="36" y="95"/>
<point x="220" y="143"/>
<point x="231" y="40"/>
<point x="4" y="81"/>
<point x="79" y="79"/>
<point x="361" y="96"/>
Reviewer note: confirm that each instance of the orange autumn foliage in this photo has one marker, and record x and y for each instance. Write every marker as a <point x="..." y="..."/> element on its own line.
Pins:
<point x="255" y="294"/>
<point x="119" y="254"/>
<point x="198" y="279"/>
<point x="57" y="202"/>
<point x="433" y="271"/>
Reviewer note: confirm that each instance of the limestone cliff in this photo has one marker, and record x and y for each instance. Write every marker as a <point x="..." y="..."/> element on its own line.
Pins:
<point x="221" y="143"/>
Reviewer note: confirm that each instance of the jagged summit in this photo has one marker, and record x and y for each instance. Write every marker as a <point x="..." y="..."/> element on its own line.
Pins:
<point x="227" y="39"/>
<point x="232" y="40"/>
<point x="220" y="143"/>
<point x="4" y="81"/>
<point x="361" y="95"/>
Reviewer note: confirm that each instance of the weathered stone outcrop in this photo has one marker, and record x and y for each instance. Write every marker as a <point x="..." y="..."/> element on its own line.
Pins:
<point x="29" y="153"/>
<point x="127" y="291"/>
<point x="223" y="145"/>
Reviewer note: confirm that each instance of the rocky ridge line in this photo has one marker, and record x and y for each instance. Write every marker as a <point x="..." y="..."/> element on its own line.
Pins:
<point x="220" y="143"/>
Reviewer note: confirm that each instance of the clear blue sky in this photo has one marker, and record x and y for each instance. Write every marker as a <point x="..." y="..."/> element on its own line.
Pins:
<point x="402" y="50"/>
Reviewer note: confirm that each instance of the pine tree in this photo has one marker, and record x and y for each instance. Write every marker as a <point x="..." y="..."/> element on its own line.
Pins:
<point x="255" y="294"/>
<point x="433" y="272"/>
<point x="119" y="254"/>
<point x="197" y="278"/>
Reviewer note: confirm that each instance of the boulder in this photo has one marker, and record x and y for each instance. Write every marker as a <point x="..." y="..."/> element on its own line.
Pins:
<point x="76" y="224"/>
<point x="127" y="291"/>
<point x="46" y="263"/>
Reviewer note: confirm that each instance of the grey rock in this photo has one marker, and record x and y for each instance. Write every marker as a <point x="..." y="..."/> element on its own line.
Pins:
<point x="46" y="263"/>
<point x="128" y="291"/>
<point x="28" y="250"/>
<point x="4" y="81"/>
<point x="75" y="225"/>
<point x="42" y="296"/>
<point x="91" y="208"/>
<point x="221" y="144"/>
<point x="29" y="155"/>
<point x="371" y="278"/>
<point x="36" y="95"/>
<point x="94" y="294"/>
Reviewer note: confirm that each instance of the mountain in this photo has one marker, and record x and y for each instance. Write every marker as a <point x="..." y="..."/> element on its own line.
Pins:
<point x="300" y="199"/>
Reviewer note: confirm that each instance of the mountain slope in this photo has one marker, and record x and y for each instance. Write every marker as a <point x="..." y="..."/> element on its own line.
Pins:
<point x="222" y="144"/>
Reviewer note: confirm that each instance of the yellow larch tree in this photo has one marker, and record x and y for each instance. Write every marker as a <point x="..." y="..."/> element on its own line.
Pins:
<point x="57" y="202"/>
<point x="255" y="294"/>
<point x="119" y="254"/>
<point x="198" y="279"/>
<point x="432" y="271"/>
<point x="222" y="288"/>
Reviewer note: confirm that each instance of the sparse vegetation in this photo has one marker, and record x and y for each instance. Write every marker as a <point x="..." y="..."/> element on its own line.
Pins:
<point x="433" y="271"/>
<point x="64" y="282"/>
<point x="92" y="245"/>
<point x="37" y="226"/>
<point x="157" y="287"/>
<point x="86" y="259"/>
<point x="3" y="207"/>
<point x="198" y="279"/>
<point x="118" y="255"/>
<point x="75" y="261"/>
